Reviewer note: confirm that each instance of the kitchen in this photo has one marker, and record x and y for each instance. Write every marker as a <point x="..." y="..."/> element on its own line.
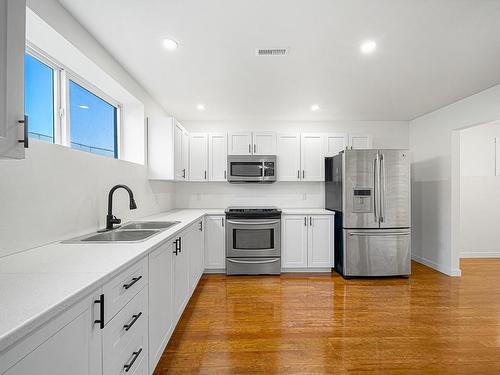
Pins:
<point x="79" y="301"/>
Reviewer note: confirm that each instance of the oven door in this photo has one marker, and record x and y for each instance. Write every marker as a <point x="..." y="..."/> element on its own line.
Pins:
<point x="253" y="238"/>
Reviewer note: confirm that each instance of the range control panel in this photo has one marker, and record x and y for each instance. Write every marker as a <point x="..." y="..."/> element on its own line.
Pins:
<point x="362" y="200"/>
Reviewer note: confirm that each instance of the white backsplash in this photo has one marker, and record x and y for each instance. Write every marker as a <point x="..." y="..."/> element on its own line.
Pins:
<point x="223" y="194"/>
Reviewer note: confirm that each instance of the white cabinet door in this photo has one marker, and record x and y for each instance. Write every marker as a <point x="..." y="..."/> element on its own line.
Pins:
<point x="360" y="141"/>
<point x="181" y="275"/>
<point x="312" y="157"/>
<point x="185" y="155"/>
<point x="196" y="253"/>
<point x="264" y="143"/>
<point x="160" y="301"/>
<point x="240" y="143"/>
<point x="289" y="157"/>
<point x="335" y="142"/>
<point x="215" y="242"/>
<point x="320" y="241"/>
<point x="178" y="141"/>
<point x="294" y="241"/>
<point x="217" y="156"/>
<point x="74" y="348"/>
<point x="12" y="45"/>
<point x="198" y="157"/>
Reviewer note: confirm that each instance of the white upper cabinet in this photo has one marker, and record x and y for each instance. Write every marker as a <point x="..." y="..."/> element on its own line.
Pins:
<point x="264" y="143"/>
<point x="217" y="156"/>
<point x="335" y="142"/>
<point x="168" y="149"/>
<point x="198" y="157"/>
<point x="239" y="143"/>
<point x="289" y="157"/>
<point x="312" y="156"/>
<point x="320" y="241"/>
<point x="251" y="143"/>
<point x="360" y="141"/>
<point x="12" y="45"/>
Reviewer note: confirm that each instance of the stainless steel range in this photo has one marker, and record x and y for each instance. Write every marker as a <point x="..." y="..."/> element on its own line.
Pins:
<point x="253" y="241"/>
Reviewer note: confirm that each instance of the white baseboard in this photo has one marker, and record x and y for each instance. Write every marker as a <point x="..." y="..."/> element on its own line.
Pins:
<point x="438" y="267"/>
<point x="479" y="254"/>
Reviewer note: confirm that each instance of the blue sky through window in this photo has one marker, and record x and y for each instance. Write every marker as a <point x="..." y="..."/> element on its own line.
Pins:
<point x="93" y="122"/>
<point x="39" y="98"/>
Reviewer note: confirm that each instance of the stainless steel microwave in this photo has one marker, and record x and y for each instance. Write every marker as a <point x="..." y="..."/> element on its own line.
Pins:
<point x="251" y="168"/>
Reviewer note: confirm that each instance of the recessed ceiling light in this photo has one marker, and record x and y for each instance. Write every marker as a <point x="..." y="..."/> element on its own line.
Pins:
<point x="314" y="107"/>
<point x="170" y="44"/>
<point x="200" y="107"/>
<point x="84" y="106"/>
<point x="368" y="46"/>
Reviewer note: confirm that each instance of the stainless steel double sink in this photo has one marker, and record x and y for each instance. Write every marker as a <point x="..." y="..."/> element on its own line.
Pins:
<point x="136" y="231"/>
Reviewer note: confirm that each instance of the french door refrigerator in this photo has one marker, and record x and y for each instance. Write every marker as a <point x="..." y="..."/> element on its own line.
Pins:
<point x="369" y="190"/>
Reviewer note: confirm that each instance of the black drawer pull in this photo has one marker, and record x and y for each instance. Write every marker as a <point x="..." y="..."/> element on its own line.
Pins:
<point x="135" y="355"/>
<point x="135" y="317"/>
<point x="100" y="321"/>
<point x="134" y="280"/>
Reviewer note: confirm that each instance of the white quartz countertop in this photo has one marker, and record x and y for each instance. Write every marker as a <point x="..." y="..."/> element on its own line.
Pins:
<point x="306" y="211"/>
<point x="38" y="284"/>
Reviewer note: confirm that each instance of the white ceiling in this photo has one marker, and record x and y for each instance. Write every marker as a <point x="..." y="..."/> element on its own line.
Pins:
<point x="430" y="53"/>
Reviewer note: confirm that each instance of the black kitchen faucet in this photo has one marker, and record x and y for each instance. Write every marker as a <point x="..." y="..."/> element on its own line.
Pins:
<point x="110" y="218"/>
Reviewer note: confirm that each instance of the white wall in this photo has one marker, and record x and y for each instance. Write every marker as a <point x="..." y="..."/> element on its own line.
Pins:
<point x="386" y="134"/>
<point x="434" y="145"/>
<point x="57" y="192"/>
<point x="479" y="187"/>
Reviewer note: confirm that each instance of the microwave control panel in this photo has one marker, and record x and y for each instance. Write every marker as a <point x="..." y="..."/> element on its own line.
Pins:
<point x="362" y="200"/>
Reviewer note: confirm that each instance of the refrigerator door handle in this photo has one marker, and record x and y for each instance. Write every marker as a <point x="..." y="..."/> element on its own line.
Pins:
<point x="382" y="188"/>
<point x="384" y="234"/>
<point x="375" y="190"/>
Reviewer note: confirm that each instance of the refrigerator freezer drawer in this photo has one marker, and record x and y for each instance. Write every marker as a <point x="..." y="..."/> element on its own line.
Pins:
<point x="377" y="252"/>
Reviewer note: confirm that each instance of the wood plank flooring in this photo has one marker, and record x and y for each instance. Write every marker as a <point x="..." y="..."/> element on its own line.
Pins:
<point x="323" y="324"/>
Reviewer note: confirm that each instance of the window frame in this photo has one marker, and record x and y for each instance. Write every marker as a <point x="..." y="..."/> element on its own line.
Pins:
<point x="62" y="120"/>
<point x="56" y="83"/>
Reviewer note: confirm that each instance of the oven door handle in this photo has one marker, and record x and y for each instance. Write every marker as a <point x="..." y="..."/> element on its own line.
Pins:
<point x="253" y="261"/>
<point x="253" y="222"/>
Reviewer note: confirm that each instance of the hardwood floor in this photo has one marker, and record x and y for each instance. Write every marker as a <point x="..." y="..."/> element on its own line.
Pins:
<point x="323" y="324"/>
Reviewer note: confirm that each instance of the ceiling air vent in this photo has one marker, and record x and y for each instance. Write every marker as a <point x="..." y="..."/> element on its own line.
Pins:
<point x="271" y="51"/>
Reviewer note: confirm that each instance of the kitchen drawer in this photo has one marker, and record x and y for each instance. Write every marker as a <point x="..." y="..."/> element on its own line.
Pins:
<point x="127" y="328"/>
<point x="123" y="287"/>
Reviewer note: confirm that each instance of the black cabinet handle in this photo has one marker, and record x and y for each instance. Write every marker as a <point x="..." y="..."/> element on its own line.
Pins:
<point x="201" y="226"/>
<point x="134" y="319"/>
<point x="134" y="280"/>
<point x="25" y="140"/>
<point x="205" y="175"/>
<point x="100" y="321"/>
<point x="184" y="173"/>
<point x="180" y="244"/>
<point x="176" y="249"/>
<point x="222" y="222"/>
<point x="135" y="355"/>
<point x="225" y="175"/>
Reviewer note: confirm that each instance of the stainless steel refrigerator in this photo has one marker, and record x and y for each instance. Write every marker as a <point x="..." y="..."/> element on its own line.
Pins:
<point x="369" y="190"/>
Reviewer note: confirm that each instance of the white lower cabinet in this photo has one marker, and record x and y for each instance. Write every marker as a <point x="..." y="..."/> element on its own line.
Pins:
<point x="307" y="241"/>
<point x="294" y="241"/>
<point x="160" y="301"/>
<point x="196" y="253"/>
<point x="125" y="337"/>
<point x="68" y="344"/>
<point x="215" y="242"/>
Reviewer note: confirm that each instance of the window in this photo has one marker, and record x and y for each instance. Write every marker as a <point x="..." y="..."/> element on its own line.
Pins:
<point x="65" y="109"/>
<point x="39" y="98"/>
<point x="93" y="122"/>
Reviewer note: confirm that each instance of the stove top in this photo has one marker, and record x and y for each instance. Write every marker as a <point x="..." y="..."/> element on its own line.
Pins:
<point x="253" y="211"/>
